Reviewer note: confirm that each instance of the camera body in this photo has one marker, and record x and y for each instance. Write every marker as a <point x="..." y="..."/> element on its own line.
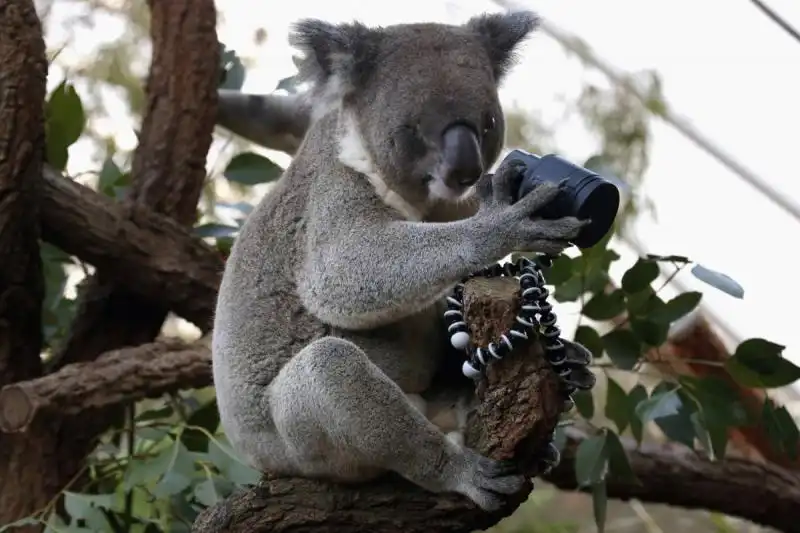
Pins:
<point x="585" y="195"/>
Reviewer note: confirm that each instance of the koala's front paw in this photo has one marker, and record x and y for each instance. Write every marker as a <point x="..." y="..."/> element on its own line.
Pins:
<point x="487" y="481"/>
<point x="517" y="222"/>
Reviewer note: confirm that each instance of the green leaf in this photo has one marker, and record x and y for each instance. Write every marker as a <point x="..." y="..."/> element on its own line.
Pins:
<point x="701" y="433"/>
<point x="668" y="258"/>
<point x="678" y="427"/>
<point x="206" y="417"/>
<point x="155" y="414"/>
<point x="230" y="465"/>
<point x="605" y="306"/>
<point x="650" y="332"/>
<point x="623" y="348"/>
<point x="172" y="483"/>
<point x="64" y="123"/>
<point x="214" y="230"/>
<point x="600" y="505"/>
<point x="618" y="463"/>
<point x="591" y="460"/>
<point x="640" y="276"/>
<point x="781" y="429"/>
<point x="720" y="408"/>
<point x="636" y="395"/>
<point x="110" y="178"/>
<point x="718" y="281"/>
<point x="659" y="405"/>
<point x="570" y="290"/>
<point x="676" y="308"/>
<point x="617" y="408"/>
<point x="79" y="505"/>
<point x="206" y="493"/>
<point x="589" y="338"/>
<point x="249" y="168"/>
<point x="759" y="363"/>
<point x="584" y="402"/>
<point x="560" y="271"/>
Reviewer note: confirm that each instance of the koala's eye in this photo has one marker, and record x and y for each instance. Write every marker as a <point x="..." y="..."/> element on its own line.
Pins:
<point x="411" y="139"/>
<point x="489" y="123"/>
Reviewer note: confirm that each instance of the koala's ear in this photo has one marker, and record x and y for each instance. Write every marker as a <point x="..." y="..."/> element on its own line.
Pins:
<point x="501" y="33"/>
<point x="338" y="57"/>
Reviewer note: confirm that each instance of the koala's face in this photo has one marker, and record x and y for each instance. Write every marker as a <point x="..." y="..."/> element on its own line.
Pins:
<point x="418" y="102"/>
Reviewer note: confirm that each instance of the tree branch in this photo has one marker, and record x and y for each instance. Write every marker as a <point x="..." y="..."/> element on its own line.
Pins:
<point x="763" y="493"/>
<point x="22" y="91"/>
<point x="24" y="461"/>
<point x="115" y="378"/>
<point x="274" y="121"/>
<point x="154" y="256"/>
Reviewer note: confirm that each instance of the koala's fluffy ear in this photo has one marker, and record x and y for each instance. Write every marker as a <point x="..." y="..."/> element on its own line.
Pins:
<point x="501" y="33"/>
<point x="338" y="57"/>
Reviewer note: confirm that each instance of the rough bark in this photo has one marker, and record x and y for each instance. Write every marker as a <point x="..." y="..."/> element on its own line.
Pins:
<point x="520" y="407"/>
<point x="115" y="378"/>
<point x="167" y="177"/>
<point x="156" y="257"/>
<point x="22" y="92"/>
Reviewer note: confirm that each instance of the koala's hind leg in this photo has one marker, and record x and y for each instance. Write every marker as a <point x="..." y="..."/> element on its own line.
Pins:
<point x="342" y="418"/>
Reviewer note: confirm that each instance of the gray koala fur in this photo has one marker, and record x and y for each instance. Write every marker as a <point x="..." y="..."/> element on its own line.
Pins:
<point x="328" y="337"/>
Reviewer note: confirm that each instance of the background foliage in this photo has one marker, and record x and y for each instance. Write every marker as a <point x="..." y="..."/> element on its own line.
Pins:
<point x="168" y="458"/>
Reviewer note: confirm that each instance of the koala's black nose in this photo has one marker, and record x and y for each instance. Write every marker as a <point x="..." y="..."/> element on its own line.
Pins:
<point x="462" y="160"/>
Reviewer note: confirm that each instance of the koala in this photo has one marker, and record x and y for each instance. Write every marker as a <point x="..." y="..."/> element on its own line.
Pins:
<point x="330" y="355"/>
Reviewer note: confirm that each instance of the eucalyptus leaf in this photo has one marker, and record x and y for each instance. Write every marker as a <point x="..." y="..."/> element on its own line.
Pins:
<point x="591" y="460"/>
<point x="64" y="123"/>
<point x="206" y="493"/>
<point x="605" y="306"/>
<point x="584" y="402"/>
<point x="759" y="363"/>
<point x="636" y="395"/>
<point x="649" y="331"/>
<point x="668" y="258"/>
<point x="639" y="276"/>
<point x="676" y="308"/>
<point x="590" y="339"/>
<point x="718" y="280"/>
<point x="78" y="505"/>
<point x="659" y="405"/>
<point x="617" y="408"/>
<point x="600" y="505"/>
<point x="618" y="464"/>
<point x="213" y="229"/>
<point x="249" y="168"/>
<point x="623" y="348"/>
<point x="781" y="429"/>
<point x="560" y="271"/>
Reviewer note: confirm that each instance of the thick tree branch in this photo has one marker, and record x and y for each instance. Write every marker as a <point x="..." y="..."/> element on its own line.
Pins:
<point x="274" y="121"/>
<point x="154" y="256"/>
<point x="22" y="91"/>
<point x="24" y="461"/>
<point x="117" y="377"/>
<point x="763" y="493"/>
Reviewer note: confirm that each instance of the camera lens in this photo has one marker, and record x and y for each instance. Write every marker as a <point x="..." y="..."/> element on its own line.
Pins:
<point x="584" y="196"/>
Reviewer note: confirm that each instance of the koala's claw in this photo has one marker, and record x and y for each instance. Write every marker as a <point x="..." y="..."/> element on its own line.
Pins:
<point x="491" y="480"/>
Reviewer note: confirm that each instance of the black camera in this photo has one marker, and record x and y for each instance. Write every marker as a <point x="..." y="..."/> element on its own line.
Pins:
<point x="585" y="194"/>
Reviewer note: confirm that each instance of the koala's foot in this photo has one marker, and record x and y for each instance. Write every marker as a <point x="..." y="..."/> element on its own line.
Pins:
<point x="341" y="418"/>
<point x="487" y="481"/>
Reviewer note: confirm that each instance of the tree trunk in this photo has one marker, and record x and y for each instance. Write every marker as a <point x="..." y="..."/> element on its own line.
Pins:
<point x="23" y="458"/>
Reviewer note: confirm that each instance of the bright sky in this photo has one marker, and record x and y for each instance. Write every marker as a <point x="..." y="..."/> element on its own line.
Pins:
<point x="729" y="70"/>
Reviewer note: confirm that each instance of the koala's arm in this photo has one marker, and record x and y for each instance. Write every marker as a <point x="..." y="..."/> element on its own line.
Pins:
<point x="274" y="121"/>
<point x="367" y="274"/>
